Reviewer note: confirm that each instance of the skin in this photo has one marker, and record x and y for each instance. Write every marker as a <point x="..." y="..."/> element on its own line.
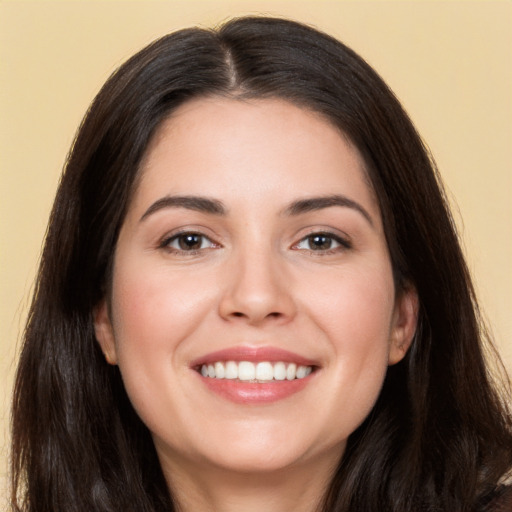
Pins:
<point x="255" y="280"/>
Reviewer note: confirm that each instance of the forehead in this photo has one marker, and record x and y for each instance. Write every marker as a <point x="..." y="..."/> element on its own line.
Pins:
<point x="217" y="146"/>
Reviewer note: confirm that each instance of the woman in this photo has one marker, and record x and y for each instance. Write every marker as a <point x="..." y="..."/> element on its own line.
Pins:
<point x="252" y="297"/>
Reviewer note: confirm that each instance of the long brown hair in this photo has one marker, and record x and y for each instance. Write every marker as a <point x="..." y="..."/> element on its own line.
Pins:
<point x="439" y="437"/>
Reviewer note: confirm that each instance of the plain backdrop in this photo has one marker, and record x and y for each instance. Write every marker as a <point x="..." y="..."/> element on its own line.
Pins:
<point x="449" y="62"/>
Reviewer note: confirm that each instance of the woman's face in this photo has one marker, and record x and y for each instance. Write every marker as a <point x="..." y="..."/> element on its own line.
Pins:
<point x="253" y="311"/>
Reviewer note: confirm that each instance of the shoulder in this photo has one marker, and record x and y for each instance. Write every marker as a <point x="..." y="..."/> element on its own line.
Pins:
<point x="502" y="502"/>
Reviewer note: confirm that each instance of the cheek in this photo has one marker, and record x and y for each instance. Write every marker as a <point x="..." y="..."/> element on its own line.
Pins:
<point x="355" y="307"/>
<point x="355" y="313"/>
<point x="154" y="313"/>
<point x="156" y="307"/>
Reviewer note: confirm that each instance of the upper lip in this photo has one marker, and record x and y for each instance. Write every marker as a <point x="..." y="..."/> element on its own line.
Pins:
<point x="253" y="354"/>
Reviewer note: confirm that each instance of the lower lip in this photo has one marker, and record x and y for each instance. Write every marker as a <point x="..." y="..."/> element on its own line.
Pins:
<point x="242" y="392"/>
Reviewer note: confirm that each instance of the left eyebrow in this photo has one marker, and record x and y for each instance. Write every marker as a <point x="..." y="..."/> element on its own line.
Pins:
<point x="319" y="203"/>
<point x="197" y="203"/>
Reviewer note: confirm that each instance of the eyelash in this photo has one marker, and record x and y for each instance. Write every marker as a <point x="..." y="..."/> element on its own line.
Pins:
<point x="329" y="238"/>
<point x="167" y="242"/>
<point x="343" y="243"/>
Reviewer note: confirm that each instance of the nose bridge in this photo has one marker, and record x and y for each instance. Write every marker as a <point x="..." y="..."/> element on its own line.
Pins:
<point x="256" y="286"/>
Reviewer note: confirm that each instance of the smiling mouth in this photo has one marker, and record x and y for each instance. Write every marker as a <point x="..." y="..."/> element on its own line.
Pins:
<point x="262" y="372"/>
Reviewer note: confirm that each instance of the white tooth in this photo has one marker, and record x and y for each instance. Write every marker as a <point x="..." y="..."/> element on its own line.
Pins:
<point x="219" y="370"/>
<point x="231" y="370"/>
<point x="291" y="371"/>
<point x="246" y="370"/>
<point x="279" y="371"/>
<point x="301" y="372"/>
<point x="264" y="371"/>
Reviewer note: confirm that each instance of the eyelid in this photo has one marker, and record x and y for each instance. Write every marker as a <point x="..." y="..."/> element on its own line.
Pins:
<point x="165" y="241"/>
<point x="343" y="241"/>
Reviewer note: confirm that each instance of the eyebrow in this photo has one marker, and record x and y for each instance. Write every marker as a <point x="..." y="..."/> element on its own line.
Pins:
<point x="199" y="204"/>
<point x="216" y="207"/>
<point x="319" y="203"/>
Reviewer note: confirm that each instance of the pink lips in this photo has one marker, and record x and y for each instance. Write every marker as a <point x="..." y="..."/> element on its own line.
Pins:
<point x="243" y="392"/>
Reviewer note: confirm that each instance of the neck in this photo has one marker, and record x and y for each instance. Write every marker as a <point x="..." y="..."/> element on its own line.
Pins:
<point x="219" y="490"/>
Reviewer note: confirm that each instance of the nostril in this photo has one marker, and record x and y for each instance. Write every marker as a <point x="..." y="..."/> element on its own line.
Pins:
<point x="239" y="314"/>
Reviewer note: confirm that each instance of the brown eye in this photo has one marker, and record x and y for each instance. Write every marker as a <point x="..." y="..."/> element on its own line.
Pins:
<point x="322" y="242"/>
<point x="187" y="242"/>
<point x="319" y="242"/>
<point x="190" y="241"/>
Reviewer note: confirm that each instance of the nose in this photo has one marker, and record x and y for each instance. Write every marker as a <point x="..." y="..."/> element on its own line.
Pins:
<point x="257" y="290"/>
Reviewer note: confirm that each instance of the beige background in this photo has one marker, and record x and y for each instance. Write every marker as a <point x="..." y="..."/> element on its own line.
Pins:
<point x="449" y="62"/>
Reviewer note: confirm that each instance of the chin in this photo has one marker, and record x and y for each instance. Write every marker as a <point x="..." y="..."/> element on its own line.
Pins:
<point x="259" y="453"/>
<point x="255" y="463"/>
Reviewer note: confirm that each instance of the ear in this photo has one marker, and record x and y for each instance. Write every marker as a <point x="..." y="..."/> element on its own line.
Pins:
<point x="104" y="332"/>
<point x="405" y="319"/>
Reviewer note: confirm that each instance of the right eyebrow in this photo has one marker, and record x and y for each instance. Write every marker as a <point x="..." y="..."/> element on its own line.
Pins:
<point x="197" y="203"/>
<point x="318" y="203"/>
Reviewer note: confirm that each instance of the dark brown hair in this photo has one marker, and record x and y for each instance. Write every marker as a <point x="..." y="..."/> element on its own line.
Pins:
<point x="439" y="437"/>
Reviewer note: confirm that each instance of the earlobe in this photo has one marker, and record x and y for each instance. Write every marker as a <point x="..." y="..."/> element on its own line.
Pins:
<point x="404" y="324"/>
<point x="104" y="332"/>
